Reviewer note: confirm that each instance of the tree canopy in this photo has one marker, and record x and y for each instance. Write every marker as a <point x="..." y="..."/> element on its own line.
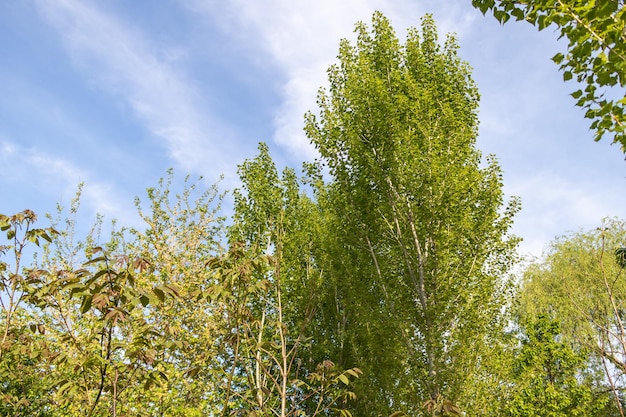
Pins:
<point x="581" y="284"/>
<point x="417" y="246"/>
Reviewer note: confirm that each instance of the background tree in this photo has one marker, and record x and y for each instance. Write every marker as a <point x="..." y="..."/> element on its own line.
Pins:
<point x="580" y="282"/>
<point x="182" y="232"/>
<point x="99" y="299"/>
<point x="109" y="321"/>
<point x="595" y="30"/>
<point x="163" y="321"/>
<point x="549" y="376"/>
<point x="271" y="284"/>
<point x="415" y="248"/>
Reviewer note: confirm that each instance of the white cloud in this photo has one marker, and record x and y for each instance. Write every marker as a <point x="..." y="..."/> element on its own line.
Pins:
<point x="302" y="38"/>
<point x="123" y="62"/>
<point x="7" y="149"/>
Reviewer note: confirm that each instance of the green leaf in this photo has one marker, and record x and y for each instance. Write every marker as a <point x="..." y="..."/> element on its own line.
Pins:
<point x="65" y="387"/>
<point x="558" y="58"/>
<point x="502" y="16"/>
<point x="86" y="304"/>
<point x="95" y="260"/>
<point x="171" y="289"/>
<point x="102" y="272"/>
<point x="517" y="13"/>
<point x="576" y="94"/>
<point x="159" y="294"/>
<point x="343" y="378"/>
<point x="483" y="5"/>
<point x="144" y="300"/>
<point x="542" y="22"/>
<point x="192" y="372"/>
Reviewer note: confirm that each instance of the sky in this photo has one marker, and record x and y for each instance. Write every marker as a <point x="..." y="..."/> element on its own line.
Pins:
<point x="112" y="94"/>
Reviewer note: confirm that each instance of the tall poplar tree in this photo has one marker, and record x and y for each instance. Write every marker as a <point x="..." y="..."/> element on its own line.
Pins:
<point x="416" y="247"/>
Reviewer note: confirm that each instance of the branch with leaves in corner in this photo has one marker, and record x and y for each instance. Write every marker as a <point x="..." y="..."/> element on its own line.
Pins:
<point x="595" y="56"/>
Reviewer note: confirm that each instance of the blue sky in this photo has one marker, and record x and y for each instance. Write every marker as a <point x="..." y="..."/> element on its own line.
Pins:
<point x="113" y="93"/>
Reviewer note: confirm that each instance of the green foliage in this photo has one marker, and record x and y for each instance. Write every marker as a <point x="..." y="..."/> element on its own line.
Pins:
<point x="272" y="284"/>
<point x="264" y="375"/>
<point x="595" y="57"/>
<point x="183" y="231"/>
<point x="161" y="321"/>
<point x="95" y="321"/>
<point x="414" y="248"/>
<point x="378" y="282"/>
<point x="24" y="377"/>
<point x="581" y="284"/>
<point x="547" y="376"/>
<point x="620" y="256"/>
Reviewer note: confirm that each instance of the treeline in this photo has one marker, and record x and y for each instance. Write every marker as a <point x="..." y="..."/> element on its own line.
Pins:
<point x="376" y="283"/>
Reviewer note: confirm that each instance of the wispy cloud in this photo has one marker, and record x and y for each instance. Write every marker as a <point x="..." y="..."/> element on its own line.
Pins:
<point x="303" y="38"/>
<point x="121" y="61"/>
<point x="58" y="178"/>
